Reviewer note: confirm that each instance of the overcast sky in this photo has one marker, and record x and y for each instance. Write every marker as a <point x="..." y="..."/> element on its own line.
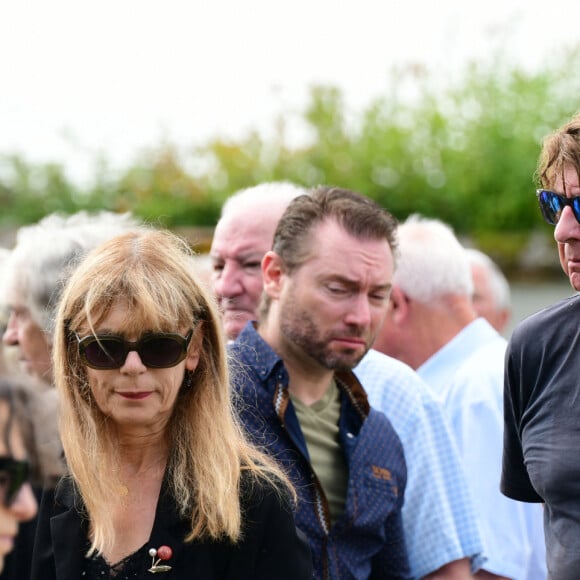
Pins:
<point x="79" y="77"/>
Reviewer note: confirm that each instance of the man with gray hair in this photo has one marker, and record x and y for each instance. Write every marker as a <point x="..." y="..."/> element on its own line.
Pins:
<point x="491" y="290"/>
<point x="242" y="236"/>
<point x="433" y="327"/>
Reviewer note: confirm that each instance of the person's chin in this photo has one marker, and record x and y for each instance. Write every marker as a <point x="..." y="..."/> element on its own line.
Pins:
<point x="234" y="323"/>
<point x="574" y="278"/>
<point x="344" y="360"/>
<point x="6" y="546"/>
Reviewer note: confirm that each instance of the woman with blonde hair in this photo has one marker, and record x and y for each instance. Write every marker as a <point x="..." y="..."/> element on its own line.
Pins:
<point x="161" y="478"/>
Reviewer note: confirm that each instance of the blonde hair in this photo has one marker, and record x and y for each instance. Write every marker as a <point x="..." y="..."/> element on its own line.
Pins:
<point x="152" y="271"/>
<point x="560" y="150"/>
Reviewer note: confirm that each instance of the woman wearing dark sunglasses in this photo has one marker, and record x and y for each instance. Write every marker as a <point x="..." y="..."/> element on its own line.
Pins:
<point x="17" y="501"/>
<point x="541" y="462"/>
<point x="161" y="480"/>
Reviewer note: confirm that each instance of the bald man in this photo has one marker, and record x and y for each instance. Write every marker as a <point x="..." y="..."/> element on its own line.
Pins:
<point x="242" y="236"/>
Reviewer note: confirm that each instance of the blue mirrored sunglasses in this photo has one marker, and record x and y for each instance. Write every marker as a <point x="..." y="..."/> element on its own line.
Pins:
<point x="552" y="205"/>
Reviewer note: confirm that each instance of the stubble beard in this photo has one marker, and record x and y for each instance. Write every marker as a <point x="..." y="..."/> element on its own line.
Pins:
<point x="297" y="327"/>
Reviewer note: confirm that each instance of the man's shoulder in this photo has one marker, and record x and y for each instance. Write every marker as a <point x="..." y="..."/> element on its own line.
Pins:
<point x="393" y="386"/>
<point x="487" y="359"/>
<point x="550" y="318"/>
<point x="247" y="343"/>
<point x="377" y="367"/>
<point x="409" y="404"/>
<point x="548" y="330"/>
<point x="251" y="355"/>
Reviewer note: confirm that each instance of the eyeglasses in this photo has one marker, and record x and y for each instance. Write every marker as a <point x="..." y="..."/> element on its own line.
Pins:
<point x="156" y="350"/>
<point x="14" y="474"/>
<point x="552" y="205"/>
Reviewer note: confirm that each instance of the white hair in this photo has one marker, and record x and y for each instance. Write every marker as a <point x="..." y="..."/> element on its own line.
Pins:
<point x="432" y="262"/>
<point x="498" y="283"/>
<point x="46" y="252"/>
<point x="266" y="195"/>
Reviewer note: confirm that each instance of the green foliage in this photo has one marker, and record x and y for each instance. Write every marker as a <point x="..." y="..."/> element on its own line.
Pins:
<point x="464" y="152"/>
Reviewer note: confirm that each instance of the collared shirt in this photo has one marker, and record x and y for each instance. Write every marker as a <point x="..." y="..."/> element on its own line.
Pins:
<point x="367" y="540"/>
<point x="438" y="515"/>
<point x="467" y="374"/>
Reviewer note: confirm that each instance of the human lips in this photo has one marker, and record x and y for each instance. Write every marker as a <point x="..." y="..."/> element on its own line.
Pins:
<point x="232" y="308"/>
<point x="350" y="341"/>
<point x="570" y="260"/>
<point x="573" y="261"/>
<point x="134" y="396"/>
<point x="237" y="316"/>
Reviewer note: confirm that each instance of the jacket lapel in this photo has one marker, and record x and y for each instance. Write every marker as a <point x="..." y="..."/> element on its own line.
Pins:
<point x="69" y="545"/>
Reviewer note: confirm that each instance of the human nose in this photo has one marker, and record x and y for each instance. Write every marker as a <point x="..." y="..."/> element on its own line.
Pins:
<point x="567" y="227"/>
<point x="229" y="281"/>
<point x="10" y="336"/>
<point x="24" y="506"/>
<point x="359" y="312"/>
<point x="133" y="363"/>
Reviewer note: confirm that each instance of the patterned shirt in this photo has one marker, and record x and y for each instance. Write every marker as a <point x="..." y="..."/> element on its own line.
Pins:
<point x="438" y="515"/>
<point x="467" y="373"/>
<point x="367" y="540"/>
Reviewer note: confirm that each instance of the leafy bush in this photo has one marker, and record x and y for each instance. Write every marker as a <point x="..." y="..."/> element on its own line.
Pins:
<point x="465" y="153"/>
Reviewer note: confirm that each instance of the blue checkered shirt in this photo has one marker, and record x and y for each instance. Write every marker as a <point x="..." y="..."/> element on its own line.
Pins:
<point x="438" y="516"/>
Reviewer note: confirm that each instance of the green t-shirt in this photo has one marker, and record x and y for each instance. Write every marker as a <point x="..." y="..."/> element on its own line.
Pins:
<point x="319" y="424"/>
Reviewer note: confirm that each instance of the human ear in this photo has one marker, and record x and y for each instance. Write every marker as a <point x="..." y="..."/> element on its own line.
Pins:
<point x="272" y="274"/>
<point x="399" y="305"/>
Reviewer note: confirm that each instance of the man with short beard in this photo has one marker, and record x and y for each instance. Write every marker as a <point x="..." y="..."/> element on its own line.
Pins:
<point x="327" y="282"/>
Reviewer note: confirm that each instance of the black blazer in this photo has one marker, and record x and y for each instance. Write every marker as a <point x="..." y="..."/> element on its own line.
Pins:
<point x="271" y="546"/>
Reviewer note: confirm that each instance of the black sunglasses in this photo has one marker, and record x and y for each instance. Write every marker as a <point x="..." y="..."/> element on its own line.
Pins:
<point x="157" y="350"/>
<point x="552" y="205"/>
<point x="14" y="474"/>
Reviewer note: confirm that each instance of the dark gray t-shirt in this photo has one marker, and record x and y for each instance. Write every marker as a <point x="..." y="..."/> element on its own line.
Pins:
<point x="541" y="458"/>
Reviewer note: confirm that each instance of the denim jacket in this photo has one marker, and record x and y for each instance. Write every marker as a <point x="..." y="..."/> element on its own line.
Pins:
<point x="367" y="541"/>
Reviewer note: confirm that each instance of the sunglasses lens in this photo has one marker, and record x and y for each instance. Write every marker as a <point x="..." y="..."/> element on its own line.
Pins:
<point x="13" y="475"/>
<point x="576" y="208"/>
<point x="156" y="350"/>
<point x="551" y="206"/>
<point x="162" y="351"/>
<point x="103" y="353"/>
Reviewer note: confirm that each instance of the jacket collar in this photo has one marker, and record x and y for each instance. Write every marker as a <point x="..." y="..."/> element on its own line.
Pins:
<point x="69" y="529"/>
<point x="254" y="351"/>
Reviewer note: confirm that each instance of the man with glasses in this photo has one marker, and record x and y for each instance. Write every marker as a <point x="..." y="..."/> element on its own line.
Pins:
<point x="542" y="391"/>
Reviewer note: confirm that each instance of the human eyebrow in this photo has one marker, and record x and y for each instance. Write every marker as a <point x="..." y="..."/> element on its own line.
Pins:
<point x="387" y="287"/>
<point x="250" y="257"/>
